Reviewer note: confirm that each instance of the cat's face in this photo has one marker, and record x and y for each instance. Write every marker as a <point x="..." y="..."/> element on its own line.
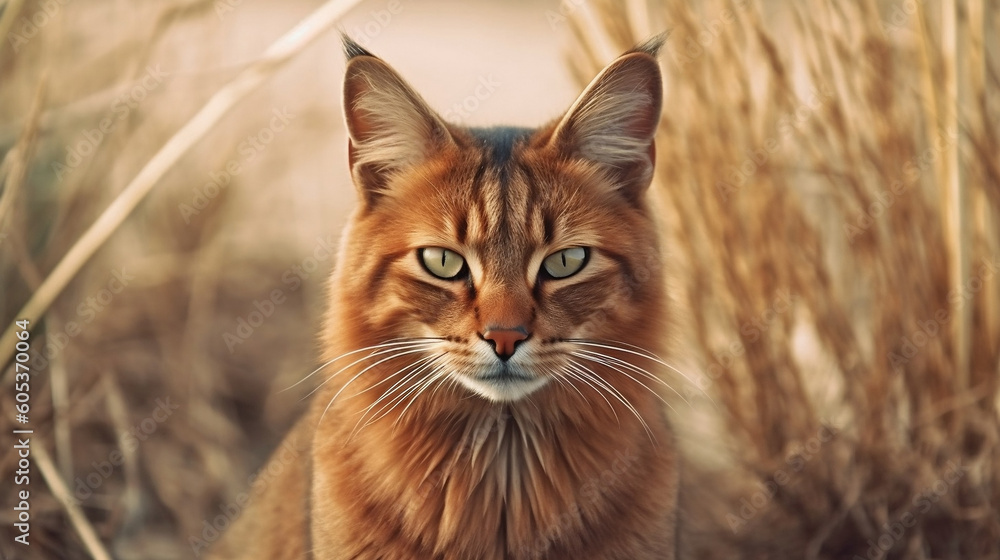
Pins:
<point x="496" y="260"/>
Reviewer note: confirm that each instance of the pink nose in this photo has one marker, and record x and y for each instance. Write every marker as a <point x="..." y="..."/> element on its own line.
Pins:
<point x="505" y="341"/>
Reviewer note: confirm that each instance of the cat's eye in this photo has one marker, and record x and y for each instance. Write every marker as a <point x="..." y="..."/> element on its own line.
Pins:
<point x="565" y="263"/>
<point x="441" y="262"/>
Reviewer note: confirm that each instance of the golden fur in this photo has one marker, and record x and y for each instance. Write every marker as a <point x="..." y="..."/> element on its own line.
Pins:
<point x="410" y="450"/>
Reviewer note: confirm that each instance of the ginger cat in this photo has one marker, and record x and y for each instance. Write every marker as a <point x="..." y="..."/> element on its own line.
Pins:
<point x="495" y="312"/>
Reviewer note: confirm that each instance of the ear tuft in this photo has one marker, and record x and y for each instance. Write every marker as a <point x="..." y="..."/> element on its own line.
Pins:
<point x="352" y="48"/>
<point x="651" y="46"/>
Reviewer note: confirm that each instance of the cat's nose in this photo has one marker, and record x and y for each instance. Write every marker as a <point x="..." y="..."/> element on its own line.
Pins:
<point x="505" y="341"/>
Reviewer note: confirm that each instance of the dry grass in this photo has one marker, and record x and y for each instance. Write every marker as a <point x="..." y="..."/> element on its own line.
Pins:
<point x="105" y="362"/>
<point x="739" y="249"/>
<point x="893" y="339"/>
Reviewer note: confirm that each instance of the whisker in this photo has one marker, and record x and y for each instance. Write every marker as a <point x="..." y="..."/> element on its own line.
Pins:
<point x="364" y="413"/>
<point x="360" y="373"/>
<point x="389" y="407"/>
<point x="642" y="352"/>
<point x="558" y="376"/>
<point x="399" y="371"/>
<point x="386" y="344"/>
<point x="618" y="395"/>
<point x="393" y="389"/>
<point x="373" y="354"/>
<point x="395" y="353"/>
<point x="439" y="385"/>
<point x="577" y="374"/>
<point x="642" y="371"/>
<point x="401" y="382"/>
<point x="604" y="360"/>
<point x="431" y="378"/>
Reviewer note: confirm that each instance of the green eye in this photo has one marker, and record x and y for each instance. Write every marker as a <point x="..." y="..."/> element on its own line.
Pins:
<point x="565" y="263"/>
<point x="441" y="262"/>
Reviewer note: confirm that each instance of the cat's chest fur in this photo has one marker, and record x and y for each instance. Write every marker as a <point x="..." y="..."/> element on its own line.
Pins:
<point x="496" y="487"/>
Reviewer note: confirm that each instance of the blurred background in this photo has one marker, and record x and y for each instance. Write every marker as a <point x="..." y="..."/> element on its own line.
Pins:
<point x="828" y="184"/>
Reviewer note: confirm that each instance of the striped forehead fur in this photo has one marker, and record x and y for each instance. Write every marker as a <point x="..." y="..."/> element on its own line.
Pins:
<point x="499" y="143"/>
<point x="501" y="186"/>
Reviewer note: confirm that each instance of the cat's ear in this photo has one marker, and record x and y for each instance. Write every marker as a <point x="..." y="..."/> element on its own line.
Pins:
<point x="389" y="125"/>
<point x="613" y="122"/>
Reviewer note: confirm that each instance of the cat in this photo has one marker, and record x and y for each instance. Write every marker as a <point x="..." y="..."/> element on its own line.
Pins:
<point x="490" y="390"/>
